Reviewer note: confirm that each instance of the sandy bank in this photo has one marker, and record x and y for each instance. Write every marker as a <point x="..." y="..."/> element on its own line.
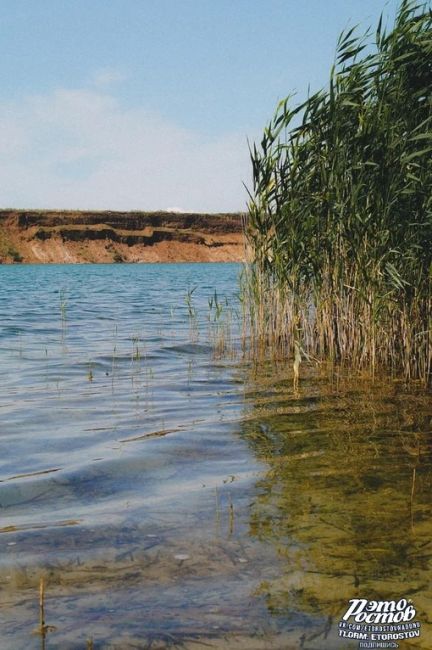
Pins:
<point x="49" y="236"/>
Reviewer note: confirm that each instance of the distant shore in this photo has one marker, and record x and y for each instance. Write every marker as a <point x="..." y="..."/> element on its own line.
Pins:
<point x="71" y="236"/>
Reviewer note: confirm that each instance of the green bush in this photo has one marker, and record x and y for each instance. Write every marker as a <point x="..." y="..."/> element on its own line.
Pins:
<point x="15" y="255"/>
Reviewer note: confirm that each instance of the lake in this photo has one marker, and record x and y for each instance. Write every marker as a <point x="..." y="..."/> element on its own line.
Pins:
<point x="172" y="493"/>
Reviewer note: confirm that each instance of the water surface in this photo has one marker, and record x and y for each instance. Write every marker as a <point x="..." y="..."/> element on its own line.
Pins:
<point x="171" y="495"/>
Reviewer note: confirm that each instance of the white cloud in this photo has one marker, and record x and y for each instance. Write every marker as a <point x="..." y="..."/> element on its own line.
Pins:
<point x="77" y="148"/>
<point x="108" y="77"/>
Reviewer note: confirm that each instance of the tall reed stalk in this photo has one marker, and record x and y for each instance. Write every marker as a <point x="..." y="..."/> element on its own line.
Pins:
<point x="340" y="216"/>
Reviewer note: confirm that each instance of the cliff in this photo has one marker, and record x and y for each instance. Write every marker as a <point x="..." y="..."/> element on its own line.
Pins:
<point x="43" y="236"/>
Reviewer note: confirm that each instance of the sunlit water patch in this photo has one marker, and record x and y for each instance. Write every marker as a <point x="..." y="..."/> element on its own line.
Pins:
<point x="173" y="496"/>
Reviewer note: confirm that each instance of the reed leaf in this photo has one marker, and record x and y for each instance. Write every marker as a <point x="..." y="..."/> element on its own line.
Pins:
<point x="340" y="218"/>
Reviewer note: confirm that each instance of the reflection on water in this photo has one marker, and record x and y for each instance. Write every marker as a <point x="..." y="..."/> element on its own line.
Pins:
<point x="346" y="499"/>
<point x="171" y="497"/>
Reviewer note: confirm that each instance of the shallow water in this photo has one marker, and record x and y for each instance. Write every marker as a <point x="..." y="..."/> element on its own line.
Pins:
<point x="170" y="495"/>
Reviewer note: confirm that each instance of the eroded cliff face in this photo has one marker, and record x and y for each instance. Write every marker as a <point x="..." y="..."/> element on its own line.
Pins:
<point x="39" y="236"/>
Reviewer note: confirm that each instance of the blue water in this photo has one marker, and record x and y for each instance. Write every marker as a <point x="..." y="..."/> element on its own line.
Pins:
<point x="97" y="349"/>
<point x="121" y="468"/>
<point x="170" y="492"/>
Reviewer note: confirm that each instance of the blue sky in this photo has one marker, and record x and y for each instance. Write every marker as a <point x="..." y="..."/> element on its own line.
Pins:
<point x="148" y="104"/>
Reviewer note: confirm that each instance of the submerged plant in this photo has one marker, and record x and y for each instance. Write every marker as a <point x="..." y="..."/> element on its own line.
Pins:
<point x="340" y="217"/>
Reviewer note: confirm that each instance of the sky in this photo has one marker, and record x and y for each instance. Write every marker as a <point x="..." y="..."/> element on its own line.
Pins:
<point x="150" y="104"/>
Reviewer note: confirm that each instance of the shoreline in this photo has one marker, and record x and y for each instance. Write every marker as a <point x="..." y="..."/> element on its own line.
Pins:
<point x="89" y="237"/>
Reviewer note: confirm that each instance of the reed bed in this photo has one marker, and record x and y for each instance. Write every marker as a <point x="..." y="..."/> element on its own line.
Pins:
<point x="340" y="215"/>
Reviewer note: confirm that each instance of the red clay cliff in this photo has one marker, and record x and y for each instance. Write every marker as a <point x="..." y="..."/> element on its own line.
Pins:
<point x="51" y="236"/>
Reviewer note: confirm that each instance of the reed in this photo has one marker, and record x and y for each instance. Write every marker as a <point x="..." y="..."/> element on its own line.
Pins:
<point x="221" y="317"/>
<point x="340" y="215"/>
